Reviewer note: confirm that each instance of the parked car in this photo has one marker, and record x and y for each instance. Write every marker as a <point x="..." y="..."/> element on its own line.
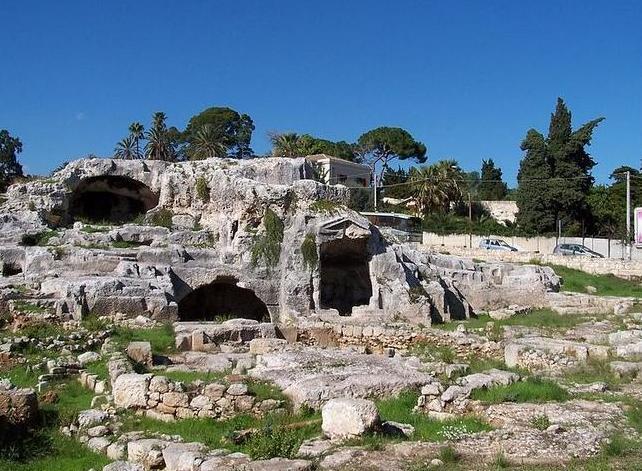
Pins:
<point x="576" y="249"/>
<point x="496" y="244"/>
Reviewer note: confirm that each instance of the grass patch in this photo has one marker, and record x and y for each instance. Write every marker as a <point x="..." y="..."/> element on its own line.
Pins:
<point x="594" y="370"/>
<point x="531" y="390"/>
<point x="29" y="308"/>
<point x="98" y="368"/>
<point x="20" y="377"/>
<point x="161" y="338"/>
<point x="94" y="229"/>
<point x="41" y="330"/>
<point x="263" y="390"/>
<point x="606" y="285"/>
<point x="275" y="435"/>
<point x="46" y="448"/>
<point x="427" y="351"/>
<point x="400" y="409"/>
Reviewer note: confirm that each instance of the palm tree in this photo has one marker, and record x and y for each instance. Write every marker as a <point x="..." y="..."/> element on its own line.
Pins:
<point x="137" y="131"/>
<point x="159" y="146"/>
<point x="126" y="149"/>
<point x="206" y="144"/>
<point x="287" y="145"/>
<point x="435" y="186"/>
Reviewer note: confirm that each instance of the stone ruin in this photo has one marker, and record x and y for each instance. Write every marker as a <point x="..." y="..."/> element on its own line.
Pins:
<point x="220" y="238"/>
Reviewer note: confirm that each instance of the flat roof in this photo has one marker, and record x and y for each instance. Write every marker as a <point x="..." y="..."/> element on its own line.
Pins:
<point x="319" y="157"/>
<point x="394" y="215"/>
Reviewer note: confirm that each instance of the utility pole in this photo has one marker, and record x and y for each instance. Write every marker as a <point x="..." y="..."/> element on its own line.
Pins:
<point x="470" y="221"/>
<point x="628" y="214"/>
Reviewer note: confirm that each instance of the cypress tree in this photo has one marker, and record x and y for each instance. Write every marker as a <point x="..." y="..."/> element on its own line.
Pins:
<point x="560" y="168"/>
<point x="491" y="187"/>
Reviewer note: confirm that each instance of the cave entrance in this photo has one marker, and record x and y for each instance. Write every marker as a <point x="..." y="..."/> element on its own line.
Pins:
<point x="220" y="301"/>
<point x="113" y="199"/>
<point x="344" y="275"/>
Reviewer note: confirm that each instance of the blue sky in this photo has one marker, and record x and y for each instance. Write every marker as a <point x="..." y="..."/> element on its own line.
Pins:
<point x="468" y="78"/>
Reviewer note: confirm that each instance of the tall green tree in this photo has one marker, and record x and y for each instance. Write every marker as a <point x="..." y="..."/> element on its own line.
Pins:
<point x="137" y="132"/>
<point x="314" y="145"/>
<point x="232" y="129"/>
<point x="554" y="177"/>
<point x="378" y="147"/>
<point x="160" y="145"/>
<point x="395" y="183"/>
<point x="10" y="168"/>
<point x="436" y="187"/>
<point x="491" y="186"/>
<point x="288" y="144"/>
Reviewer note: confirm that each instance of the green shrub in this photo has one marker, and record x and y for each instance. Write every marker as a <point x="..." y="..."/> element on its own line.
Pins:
<point x="162" y="217"/>
<point x="274" y="441"/>
<point x="202" y="190"/>
<point x="309" y="251"/>
<point x="38" y="238"/>
<point x="500" y="461"/>
<point x="267" y="246"/>
<point x="448" y="454"/>
<point x="540" y="422"/>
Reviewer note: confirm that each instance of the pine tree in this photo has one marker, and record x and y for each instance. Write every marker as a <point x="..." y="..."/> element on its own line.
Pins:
<point x="491" y="187"/>
<point x="554" y="176"/>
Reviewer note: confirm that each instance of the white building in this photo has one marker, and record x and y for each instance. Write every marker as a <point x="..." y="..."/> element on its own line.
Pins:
<point x="333" y="171"/>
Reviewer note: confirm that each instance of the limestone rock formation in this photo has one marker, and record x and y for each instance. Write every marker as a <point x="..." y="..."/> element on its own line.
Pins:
<point x="257" y="239"/>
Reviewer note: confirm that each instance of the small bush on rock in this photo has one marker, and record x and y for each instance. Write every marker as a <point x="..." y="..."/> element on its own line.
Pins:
<point x="162" y="217"/>
<point x="202" y="190"/>
<point x="267" y="246"/>
<point x="309" y="251"/>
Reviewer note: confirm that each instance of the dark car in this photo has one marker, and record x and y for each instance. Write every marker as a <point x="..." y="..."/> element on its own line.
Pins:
<point x="576" y="249"/>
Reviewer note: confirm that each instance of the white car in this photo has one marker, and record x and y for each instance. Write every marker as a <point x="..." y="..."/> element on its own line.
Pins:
<point x="496" y="244"/>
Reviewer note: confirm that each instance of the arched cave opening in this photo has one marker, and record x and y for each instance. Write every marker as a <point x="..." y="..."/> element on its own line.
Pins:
<point x="113" y="199"/>
<point x="344" y="275"/>
<point x="10" y="269"/>
<point x="221" y="301"/>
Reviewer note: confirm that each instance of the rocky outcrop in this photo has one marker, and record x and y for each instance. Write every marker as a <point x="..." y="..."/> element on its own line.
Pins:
<point x="347" y="417"/>
<point x="201" y="235"/>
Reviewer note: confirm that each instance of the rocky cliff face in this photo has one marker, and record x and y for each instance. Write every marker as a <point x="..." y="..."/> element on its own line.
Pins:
<point x="224" y="238"/>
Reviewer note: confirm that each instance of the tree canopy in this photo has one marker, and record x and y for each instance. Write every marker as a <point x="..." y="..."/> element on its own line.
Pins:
<point x="554" y="176"/>
<point x="491" y="187"/>
<point x="10" y="168"/>
<point x="226" y="126"/>
<point x="380" y="146"/>
<point x="291" y="144"/>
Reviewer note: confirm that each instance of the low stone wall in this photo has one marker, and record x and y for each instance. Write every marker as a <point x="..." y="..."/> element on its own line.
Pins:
<point x="168" y="400"/>
<point x="627" y="269"/>
<point x="378" y="338"/>
<point x="551" y="355"/>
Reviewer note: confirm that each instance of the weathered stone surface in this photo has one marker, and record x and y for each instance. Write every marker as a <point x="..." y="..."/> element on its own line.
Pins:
<point x="140" y="352"/>
<point x="347" y="417"/>
<point x="18" y="407"/>
<point x="130" y="390"/>
<point x="312" y="376"/>
<point x="123" y="466"/>
<point x="88" y="357"/>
